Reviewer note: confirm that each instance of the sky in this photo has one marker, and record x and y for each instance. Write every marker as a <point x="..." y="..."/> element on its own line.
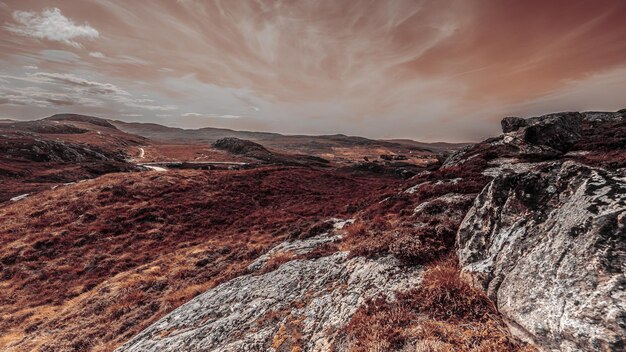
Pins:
<point x="426" y="70"/>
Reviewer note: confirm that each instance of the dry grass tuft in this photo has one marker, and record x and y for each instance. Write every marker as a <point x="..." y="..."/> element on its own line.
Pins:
<point x="443" y="314"/>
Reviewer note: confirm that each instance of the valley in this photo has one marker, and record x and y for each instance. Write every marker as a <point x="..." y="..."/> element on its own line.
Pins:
<point x="138" y="244"/>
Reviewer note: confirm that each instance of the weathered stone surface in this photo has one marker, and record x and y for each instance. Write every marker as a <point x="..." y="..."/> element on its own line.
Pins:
<point x="512" y="123"/>
<point x="316" y="298"/>
<point x="558" y="131"/>
<point x="458" y="157"/>
<point x="603" y="116"/>
<point x="453" y="210"/>
<point x="416" y="188"/>
<point x="501" y="166"/>
<point x="549" y="247"/>
<point x="541" y="137"/>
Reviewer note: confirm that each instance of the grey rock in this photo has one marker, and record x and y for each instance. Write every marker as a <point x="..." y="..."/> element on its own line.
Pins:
<point x="451" y="207"/>
<point x="558" y="131"/>
<point x="603" y="116"/>
<point x="458" y="157"/>
<point x="512" y="123"/>
<point x="502" y="166"/>
<point x="416" y="188"/>
<point x="549" y="247"/>
<point x="319" y="295"/>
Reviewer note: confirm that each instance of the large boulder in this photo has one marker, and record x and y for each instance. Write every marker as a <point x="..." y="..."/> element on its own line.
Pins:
<point x="549" y="247"/>
<point x="559" y="131"/>
<point x="540" y="138"/>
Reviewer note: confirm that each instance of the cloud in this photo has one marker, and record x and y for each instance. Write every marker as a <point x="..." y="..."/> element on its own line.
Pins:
<point x="97" y="54"/>
<point x="137" y="103"/>
<point x="225" y="116"/>
<point x="90" y="87"/>
<point x="60" y="56"/>
<point x="75" y="89"/>
<point x="32" y="96"/>
<point x="50" y="24"/>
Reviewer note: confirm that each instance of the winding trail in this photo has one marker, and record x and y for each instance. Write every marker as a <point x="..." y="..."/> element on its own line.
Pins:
<point x="164" y="165"/>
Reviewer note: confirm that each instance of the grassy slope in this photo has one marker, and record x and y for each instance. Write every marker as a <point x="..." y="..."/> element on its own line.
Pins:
<point x="89" y="265"/>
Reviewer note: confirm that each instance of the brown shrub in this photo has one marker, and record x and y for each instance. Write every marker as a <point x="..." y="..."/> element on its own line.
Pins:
<point x="365" y="239"/>
<point x="443" y="314"/>
<point x="416" y="247"/>
<point x="614" y="159"/>
<point x="390" y="226"/>
<point x="413" y="239"/>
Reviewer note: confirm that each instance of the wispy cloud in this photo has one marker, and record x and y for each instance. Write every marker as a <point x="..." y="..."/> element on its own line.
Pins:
<point x="69" y="89"/>
<point x="90" y="87"/>
<point x="33" y="96"/>
<point x="50" y="24"/>
<point x="97" y="54"/>
<point x="224" y="116"/>
<point x="192" y="114"/>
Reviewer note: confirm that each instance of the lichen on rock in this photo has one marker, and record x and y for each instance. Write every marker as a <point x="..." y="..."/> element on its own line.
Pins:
<point x="549" y="247"/>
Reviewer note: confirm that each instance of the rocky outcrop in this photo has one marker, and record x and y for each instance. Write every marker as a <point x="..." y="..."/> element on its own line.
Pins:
<point x="458" y="157"/>
<point x="548" y="245"/>
<point x="242" y="147"/>
<point x="545" y="240"/>
<point x="45" y="127"/>
<point x="26" y="147"/>
<point x="603" y="116"/>
<point x="301" y="306"/>
<point x="559" y="131"/>
<point x="541" y="137"/>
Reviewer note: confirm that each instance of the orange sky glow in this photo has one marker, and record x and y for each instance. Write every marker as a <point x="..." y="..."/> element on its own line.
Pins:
<point x="427" y="70"/>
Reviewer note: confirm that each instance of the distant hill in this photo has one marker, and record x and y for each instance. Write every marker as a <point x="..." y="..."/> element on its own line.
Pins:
<point x="81" y="118"/>
<point x="322" y="145"/>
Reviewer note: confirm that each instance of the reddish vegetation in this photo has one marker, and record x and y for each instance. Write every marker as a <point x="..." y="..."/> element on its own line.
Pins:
<point x="443" y="314"/>
<point x="124" y="249"/>
<point x="37" y="155"/>
<point x="184" y="152"/>
<point x="605" y="142"/>
<point x="389" y="227"/>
